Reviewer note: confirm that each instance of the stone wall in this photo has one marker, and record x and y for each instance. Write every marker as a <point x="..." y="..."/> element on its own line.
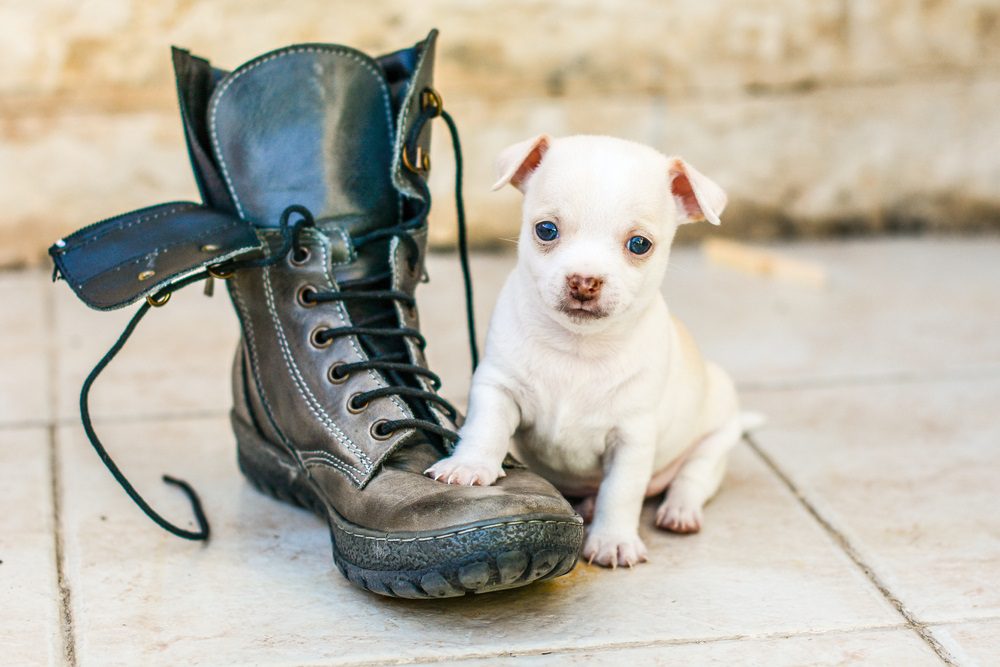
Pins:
<point x="817" y="116"/>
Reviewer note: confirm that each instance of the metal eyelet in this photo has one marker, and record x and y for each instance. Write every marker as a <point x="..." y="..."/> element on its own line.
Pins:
<point x="316" y="341"/>
<point x="376" y="430"/>
<point x="305" y="291"/>
<point x="423" y="161"/>
<point x="299" y="256"/>
<point x="431" y="98"/>
<point x="158" y="303"/>
<point x="336" y="377"/>
<point x="355" y="409"/>
<point x="215" y="272"/>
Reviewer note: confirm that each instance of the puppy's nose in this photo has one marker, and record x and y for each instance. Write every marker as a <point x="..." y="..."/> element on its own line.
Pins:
<point x="584" y="288"/>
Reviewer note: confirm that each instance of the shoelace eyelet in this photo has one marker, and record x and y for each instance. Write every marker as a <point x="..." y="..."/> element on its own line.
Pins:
<point x="353" y="407"/>
<point x="335" y="376"/>
<point x="421" y="163"/>
<point x="306" y="296"/>
<point x="377" y="430"/>
<point x="299" y="256"/>
<point x="317" y="340"/>
<point x="431" y="99"/>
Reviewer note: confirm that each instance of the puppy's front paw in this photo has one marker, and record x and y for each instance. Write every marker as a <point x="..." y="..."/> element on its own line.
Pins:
<point x="465" y="471"/>
<point x="613" y="549"/>
<point x="679" y="517"/>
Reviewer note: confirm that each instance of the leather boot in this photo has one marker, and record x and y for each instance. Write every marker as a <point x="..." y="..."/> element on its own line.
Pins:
<point x="312" y="163"/>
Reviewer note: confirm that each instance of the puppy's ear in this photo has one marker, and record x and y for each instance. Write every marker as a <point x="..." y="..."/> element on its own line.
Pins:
<point x="516" y="162"/>
<point x="696" y="196"/>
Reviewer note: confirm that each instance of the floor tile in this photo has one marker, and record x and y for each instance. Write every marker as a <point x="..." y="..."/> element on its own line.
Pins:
<point x="891" y="307"/>
<point x="976" y="643"/>
<point x="265" y="590"/>
<point x="443" y="315"/>
<point x="24" y="344"/>
<point x="863" y="647"/>
<point x="764" y="332"/>
<point x="177" y="362"/>
<point x="29" y="589"/>
<point x="908" y="473"/>
<point x="918" y="306"/>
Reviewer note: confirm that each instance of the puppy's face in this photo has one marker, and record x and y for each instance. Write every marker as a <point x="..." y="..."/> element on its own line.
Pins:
<point x="598" y="218"/>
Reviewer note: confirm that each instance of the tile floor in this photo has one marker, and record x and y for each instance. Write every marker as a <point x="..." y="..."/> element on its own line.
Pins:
<point x="860" y="526"/>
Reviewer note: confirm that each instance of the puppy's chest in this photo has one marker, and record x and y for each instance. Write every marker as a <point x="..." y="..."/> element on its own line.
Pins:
<point x="567" y="417"/>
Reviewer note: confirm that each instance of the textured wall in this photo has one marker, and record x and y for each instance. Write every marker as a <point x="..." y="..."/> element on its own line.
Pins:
<point x="815" y="115"/>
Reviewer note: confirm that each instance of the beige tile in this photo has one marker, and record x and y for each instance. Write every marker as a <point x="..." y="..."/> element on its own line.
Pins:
<point x="765" y="332"/>
<point x="908" y="473"/>
<point x="265" y="590"/>
<point x="862" y="647"/>
<point x="29" y="591"/>
<point x="892" y="307"/>
<point x="976" y="643"/>
<point x="442" y="314"/>
<point x="178" y="361"/>
<point x="24" y="341"/>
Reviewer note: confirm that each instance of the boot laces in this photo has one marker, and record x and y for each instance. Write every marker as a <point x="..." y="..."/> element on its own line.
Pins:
<point x="395" y="366"/>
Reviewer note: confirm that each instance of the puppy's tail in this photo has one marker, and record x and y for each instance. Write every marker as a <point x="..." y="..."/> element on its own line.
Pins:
<point x="750" y="421"/>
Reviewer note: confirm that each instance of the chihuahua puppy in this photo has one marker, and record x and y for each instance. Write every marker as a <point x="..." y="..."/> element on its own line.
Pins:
<point x="586" y="377"/>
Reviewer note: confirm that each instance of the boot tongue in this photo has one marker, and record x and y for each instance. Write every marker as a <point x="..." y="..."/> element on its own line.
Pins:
<point x="309" y="125"/>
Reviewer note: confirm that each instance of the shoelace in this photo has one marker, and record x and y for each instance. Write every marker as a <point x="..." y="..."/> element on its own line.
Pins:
<point x="393" y="365"/>
<point x="388" y="363"/>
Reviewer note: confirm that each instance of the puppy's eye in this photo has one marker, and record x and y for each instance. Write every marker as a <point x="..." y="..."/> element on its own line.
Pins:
<point x="546" y="230"/>
<point x="639" y="245"/>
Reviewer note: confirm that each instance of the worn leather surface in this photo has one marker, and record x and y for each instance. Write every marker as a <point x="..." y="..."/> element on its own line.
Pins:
<point x="294" y="395"/>
<point x="323" y="126"/>
<point x="196" y="79"/>
<point x="422" y="78"/>
<point x="117" y="261"/>
<point x="310" y="124"/>
<point x="280" y="383"/>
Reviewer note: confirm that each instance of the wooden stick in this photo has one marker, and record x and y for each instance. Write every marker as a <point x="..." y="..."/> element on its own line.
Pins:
<point x="757" y="261"/>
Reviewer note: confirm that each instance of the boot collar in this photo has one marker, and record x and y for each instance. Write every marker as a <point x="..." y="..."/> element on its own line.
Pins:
<point x="312" y="125"/>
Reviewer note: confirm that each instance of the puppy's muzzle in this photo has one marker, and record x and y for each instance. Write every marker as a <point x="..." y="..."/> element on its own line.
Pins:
<point x="584" y="288"/>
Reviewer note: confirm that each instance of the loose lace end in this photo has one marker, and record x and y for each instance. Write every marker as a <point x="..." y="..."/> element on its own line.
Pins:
<point x="199" y="514"/>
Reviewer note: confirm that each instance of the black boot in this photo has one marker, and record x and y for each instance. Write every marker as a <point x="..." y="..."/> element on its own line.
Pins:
<point x="312" y="163"/>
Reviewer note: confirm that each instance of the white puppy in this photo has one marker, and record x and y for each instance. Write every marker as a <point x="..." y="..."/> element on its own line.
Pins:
<point x="586" y="376"/>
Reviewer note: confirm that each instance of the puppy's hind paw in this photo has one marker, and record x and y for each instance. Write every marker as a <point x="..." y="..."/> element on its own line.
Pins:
<point x="612" y="550"/>
<point x="679" y="518"/>
<point x="585" y="508"/>
<point x="464" y="472"/>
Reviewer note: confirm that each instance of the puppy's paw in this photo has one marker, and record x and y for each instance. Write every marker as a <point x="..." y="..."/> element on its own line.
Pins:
<point x="679" y="516"/>
<point x="465" y="471"/>
<point x="613" y="549"/>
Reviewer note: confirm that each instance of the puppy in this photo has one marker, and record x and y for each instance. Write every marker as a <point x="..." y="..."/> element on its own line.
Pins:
<point x="586" y="376"/>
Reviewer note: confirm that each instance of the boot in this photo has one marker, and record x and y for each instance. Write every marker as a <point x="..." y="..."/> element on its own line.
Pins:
<point x="312" y="163"/>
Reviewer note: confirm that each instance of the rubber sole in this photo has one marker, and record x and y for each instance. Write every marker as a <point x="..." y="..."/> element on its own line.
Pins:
<point x="479" y="557"/>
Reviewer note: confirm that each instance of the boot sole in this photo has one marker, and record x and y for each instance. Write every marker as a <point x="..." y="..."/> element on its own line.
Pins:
<point x="477" y="557"/>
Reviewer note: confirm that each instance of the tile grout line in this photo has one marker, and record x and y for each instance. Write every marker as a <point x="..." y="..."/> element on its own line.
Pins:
<point x="65" y="595"/>
<point x="618" y="646"/>
<point x="66" y="626"/>
<point x="192" y="415"/>
<point x="921" y="628"/>
<point x="989" y="372"/>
